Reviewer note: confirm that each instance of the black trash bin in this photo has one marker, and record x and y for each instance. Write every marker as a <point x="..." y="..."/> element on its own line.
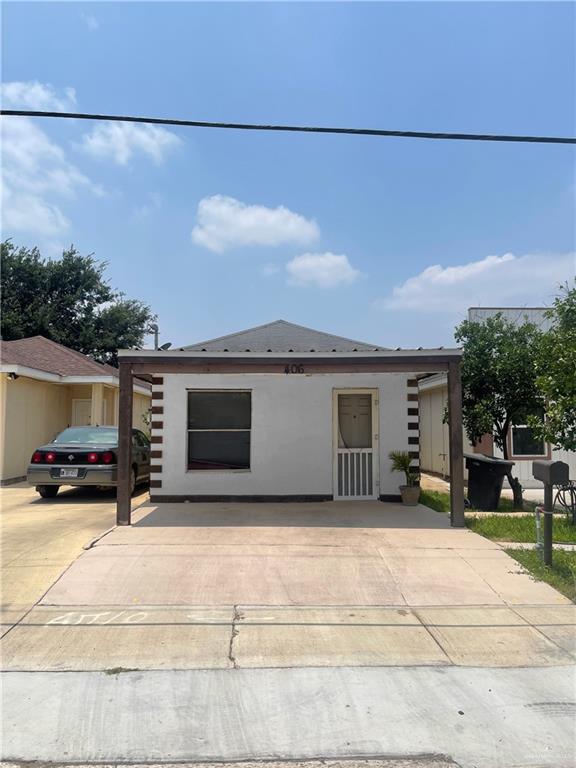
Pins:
<point x="485" y="477"/>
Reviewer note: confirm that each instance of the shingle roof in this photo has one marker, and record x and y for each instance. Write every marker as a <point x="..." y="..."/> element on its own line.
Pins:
<point x="282" y="336"/>
<point x="49" y="356"/>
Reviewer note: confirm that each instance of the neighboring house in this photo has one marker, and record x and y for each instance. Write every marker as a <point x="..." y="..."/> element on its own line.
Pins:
<point x="523" y="447"/>
<point x="434" y="433"/>
<point x="45" y="387"/>
<point x="282" y="412"/>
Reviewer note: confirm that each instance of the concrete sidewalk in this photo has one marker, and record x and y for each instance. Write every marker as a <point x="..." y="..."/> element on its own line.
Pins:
<point x="481" y="718"/>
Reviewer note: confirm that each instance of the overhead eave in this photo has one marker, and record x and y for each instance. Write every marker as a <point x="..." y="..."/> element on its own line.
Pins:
<point x="152" y="362"/>
<point x="131" y="355"/>
<point x="56" y="378"/>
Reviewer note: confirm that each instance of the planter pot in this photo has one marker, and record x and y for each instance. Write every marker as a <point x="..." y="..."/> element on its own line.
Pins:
<point x="410" y="495"/>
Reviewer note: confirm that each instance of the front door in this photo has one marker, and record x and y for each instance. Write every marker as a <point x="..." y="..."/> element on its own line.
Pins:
<point x="81" y="412"/>
<point x="356" y="459"/>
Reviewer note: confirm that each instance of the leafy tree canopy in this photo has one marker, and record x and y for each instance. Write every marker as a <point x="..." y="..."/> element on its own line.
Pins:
<point x="498" y="380"/>
<point x="556" y="373"/>
<point x="69" y="301"/>
<point x="498" y="376"/>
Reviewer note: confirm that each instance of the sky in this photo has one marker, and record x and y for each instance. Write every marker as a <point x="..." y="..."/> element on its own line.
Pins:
<point x="386" y="240"/>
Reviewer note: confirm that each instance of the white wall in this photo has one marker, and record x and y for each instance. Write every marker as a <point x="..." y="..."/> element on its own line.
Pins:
<point x="291" y="441"/>
<point x="522" y="468"/>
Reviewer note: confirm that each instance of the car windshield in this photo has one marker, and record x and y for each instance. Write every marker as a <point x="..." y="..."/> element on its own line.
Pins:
<point x="91" y="435"/>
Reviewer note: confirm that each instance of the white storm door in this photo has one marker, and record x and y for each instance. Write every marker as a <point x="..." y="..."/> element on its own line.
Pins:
<point x="81" y="412"/>
<point x="356" y="457"/>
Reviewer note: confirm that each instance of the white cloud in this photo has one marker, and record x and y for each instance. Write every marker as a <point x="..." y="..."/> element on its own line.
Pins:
<point x="37" y="96"/>
<point x="493" y="281"/>
<point x="90" y="21"/>
<point x="119" y="142"/>
<point x="323" y="270"/>
<point x="31" y="213"/>
<point x="35" y="175"/>
<point x="224" y="222"/>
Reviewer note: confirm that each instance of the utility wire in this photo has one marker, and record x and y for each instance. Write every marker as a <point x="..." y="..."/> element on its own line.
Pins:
<point x="294" y="128"/>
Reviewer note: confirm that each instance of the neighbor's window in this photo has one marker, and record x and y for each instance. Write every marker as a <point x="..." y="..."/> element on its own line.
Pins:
<point x="525" y="443"/>
<point x="219" y="429"/>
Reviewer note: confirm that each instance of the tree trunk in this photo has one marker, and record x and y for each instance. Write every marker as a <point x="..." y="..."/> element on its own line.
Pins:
<point x="517" y="491"/>
<point x="514" y="482"/>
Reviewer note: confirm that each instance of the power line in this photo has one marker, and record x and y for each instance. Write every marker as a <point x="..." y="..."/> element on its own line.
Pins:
<point x="294" y="128"/>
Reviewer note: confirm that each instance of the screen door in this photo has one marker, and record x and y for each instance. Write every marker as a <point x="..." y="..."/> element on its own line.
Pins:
<point x="356" y="444"/>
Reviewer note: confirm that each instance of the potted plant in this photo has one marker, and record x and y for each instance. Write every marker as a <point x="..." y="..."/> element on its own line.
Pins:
<point x="401" y="461"/>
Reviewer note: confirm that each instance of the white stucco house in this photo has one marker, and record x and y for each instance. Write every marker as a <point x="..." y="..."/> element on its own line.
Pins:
<point x="281" y="413"/>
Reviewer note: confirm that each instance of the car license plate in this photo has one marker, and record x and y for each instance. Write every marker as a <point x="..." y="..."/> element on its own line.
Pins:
<point x="68" y="473"/>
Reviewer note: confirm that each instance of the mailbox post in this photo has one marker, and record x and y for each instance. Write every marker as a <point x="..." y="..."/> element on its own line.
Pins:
<point x="551" y="473"/>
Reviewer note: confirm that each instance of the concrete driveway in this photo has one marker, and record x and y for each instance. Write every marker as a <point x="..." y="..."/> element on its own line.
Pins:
<point x="239" y="585"/>
<point x="231" y="632"/>
<point x="39" y="538"/>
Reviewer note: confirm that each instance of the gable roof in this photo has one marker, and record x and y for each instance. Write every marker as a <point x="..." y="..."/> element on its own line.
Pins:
<point x="49" y="356"/>
<point x="282" y="336"/>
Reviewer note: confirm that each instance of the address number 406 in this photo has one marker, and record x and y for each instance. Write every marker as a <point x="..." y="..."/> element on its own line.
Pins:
<point x="294" y="368"/>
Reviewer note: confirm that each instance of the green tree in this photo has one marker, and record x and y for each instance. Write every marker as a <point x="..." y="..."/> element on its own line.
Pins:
<point x="498" y="381"/>
<point x="556" y="373"/>
<point x="69" y="301"/>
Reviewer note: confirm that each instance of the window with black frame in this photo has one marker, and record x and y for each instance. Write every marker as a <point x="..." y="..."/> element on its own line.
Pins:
<point x="526" y="443"/>
<point x="219" y="424"/>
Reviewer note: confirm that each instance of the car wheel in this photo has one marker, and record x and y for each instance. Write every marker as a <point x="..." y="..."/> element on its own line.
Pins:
<point x="48" y="491"/>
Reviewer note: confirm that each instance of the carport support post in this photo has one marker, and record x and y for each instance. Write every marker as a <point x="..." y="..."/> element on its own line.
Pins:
<point x="123" y="497"/>
<point x="456" y="446"/>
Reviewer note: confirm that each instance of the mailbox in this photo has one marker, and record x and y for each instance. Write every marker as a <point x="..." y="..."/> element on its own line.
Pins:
<point x="551" y="472"/>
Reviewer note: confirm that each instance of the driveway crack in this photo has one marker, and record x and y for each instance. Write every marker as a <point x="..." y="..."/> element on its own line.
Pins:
<point x="236" y="617"/>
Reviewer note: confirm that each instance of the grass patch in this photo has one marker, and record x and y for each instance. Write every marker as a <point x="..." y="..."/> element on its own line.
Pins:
<point x="437" y="500"/>
<point x="500" y="527"/>
<point x="561" y="574"/>
<point x="440" y="501"/>
<point x="507" y="505"/>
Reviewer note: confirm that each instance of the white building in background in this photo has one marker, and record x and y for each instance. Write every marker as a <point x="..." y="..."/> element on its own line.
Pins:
<point x="523" y="447"/>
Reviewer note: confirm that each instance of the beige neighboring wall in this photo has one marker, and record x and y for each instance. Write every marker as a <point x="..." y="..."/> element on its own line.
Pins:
<point x="140" y="410"/>
<point x="109" y="416"/>
<point x="434" y="441"/>
<point x="434" y="451"/>
<point x="33" y="412"/>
